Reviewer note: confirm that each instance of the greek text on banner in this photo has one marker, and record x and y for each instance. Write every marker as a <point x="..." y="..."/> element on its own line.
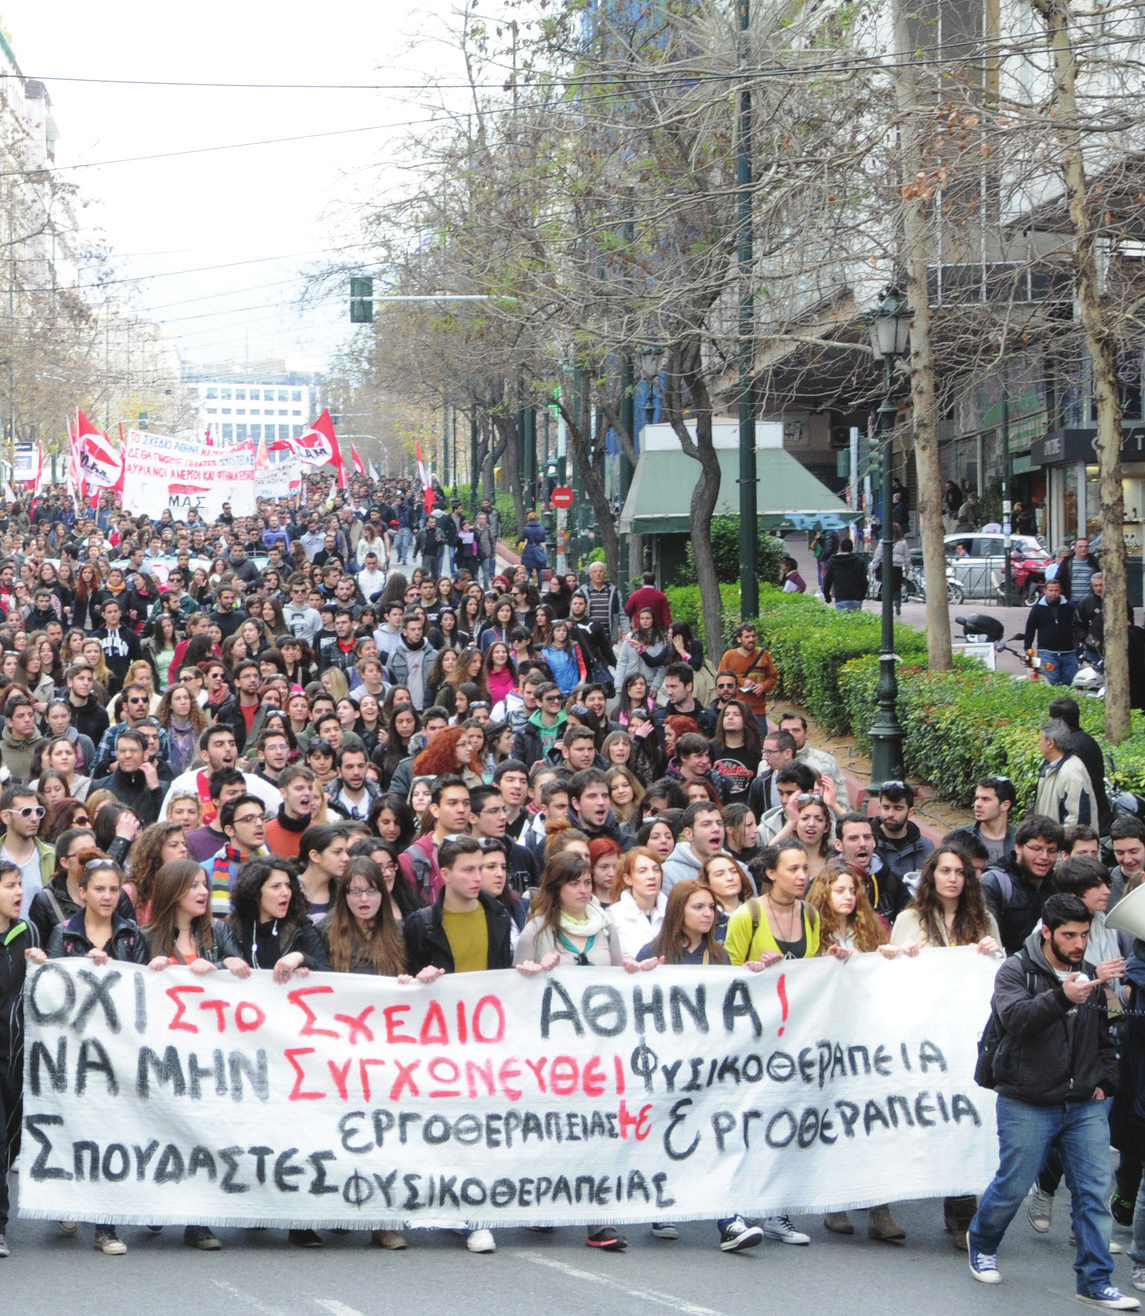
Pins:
<point x="580" y="1096"/>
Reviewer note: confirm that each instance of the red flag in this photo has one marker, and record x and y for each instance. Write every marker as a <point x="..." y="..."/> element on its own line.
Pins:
<point x="426" y="487"/>
<point x="319" y="447"/>
<point x="359" y="466"/>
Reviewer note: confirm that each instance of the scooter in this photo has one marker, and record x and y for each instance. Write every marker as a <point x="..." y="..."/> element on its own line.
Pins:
<point x="1090" y="678"/>
<point x="981" y="628"/>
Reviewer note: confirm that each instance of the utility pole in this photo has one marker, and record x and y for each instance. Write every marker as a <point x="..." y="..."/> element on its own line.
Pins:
<point x="748" y="519"/>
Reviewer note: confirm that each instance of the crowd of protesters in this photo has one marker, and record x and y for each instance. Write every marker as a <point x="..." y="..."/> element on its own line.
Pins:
<point x="338" y="736"/>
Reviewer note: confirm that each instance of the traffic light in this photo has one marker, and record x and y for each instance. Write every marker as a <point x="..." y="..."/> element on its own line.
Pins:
<point x="361" y="300"/>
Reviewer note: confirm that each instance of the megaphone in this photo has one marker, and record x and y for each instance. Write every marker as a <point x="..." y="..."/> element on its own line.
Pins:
<point x="1128" y="915"/>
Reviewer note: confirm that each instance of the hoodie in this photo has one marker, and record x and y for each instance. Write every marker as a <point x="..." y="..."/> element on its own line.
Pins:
<point x="17" y="753"/>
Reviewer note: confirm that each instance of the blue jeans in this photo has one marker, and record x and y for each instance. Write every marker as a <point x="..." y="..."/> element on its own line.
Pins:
<point x="403" y="544"/>
<point x="1059" y="668"/>
<point x="1025" y="1133"/>
<point x="848" y="605"/>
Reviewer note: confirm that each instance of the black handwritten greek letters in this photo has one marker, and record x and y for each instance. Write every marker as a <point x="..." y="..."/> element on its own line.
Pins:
<point x="495" y="1099"/>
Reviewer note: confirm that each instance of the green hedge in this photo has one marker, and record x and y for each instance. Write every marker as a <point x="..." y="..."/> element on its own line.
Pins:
<point x="769" y="550"/>
<point x="686" y="605"/>
<point x="960" y="725"/>
<point x="811" y="643"/>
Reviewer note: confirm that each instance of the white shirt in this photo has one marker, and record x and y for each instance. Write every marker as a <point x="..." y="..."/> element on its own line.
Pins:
<point x="187" y="783"/>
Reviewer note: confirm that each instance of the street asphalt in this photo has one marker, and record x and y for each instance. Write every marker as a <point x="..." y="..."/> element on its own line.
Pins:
<point x="531" y="1274"/>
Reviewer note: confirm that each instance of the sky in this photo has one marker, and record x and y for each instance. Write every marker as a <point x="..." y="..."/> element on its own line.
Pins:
<point x="268" y="212"/>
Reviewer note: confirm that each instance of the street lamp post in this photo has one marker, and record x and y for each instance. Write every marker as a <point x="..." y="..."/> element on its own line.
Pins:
<point x="890" y="338"/>
<point x="651" y="362"/>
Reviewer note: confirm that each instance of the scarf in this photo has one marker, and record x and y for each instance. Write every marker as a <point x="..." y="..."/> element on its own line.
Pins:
<point x="594" y="924"/>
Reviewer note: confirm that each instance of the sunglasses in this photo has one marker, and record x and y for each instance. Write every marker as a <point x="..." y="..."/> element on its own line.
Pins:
<point x="29" y="811"/>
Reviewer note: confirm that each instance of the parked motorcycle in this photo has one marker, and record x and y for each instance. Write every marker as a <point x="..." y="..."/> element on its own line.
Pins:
<point x="981" y="628"/>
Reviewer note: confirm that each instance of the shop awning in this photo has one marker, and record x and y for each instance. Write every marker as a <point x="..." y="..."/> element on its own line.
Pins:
<point x="659" y="498"/>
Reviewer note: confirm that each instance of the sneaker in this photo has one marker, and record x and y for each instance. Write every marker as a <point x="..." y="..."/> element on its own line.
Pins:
<point x="984" y="1267"/>
<point x="108" y="1242"/>
<point x="665" y="1230"/>
<point x="481" y="1240"/>
<point x="1039" y="1210"/>
<point x="780" y="1228"/>
<point x="5" y="1251"/>
<point x="67" y="1227"/>
<point x="199" y="1236"/>
<point x="1139" y="1278"/>
<point x="738" y="1235"/>
<point x="304" y="1238"/>
<point x="1111" y="1298"/>
<point x="607" y="1239"/>
<point x="390" y="1239"/>
<point x="1121" y="1209"/>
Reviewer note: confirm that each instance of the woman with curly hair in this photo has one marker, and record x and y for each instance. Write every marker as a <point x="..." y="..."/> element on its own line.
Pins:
<point x="846" y="917"/>
<point x="271" y="922"/>
<point x="450" y="751"/>
<point x="948" y="908"/>
<point x="160" y="843"/>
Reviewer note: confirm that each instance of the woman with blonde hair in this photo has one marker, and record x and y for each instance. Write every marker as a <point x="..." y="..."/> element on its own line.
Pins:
<point x="626" y="794"/>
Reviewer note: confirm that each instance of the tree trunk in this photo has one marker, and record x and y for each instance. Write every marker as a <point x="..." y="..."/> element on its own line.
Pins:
<point x="916" y="226"/>
<point x="1102" y="345"/>
<point x="685" y="368"/>
<point x="588" y="454"/>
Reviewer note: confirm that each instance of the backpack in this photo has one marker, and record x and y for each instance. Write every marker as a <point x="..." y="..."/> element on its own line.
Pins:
<point x="993" y="1034"/>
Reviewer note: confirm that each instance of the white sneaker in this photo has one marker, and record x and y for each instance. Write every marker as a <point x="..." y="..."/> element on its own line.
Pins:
<point x="665" y="1230"/>
<point x="1139" y="1278"/>
<point x="782" y="1230"/>
<point x="1040" y="1210"/>
<point x="1110" y="1298"/>
<point x="481" y="1240"/>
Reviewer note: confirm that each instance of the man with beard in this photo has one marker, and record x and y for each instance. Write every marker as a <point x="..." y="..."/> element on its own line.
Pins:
<point x="1016" y="889"/>
<point x="1054" y="1066"/>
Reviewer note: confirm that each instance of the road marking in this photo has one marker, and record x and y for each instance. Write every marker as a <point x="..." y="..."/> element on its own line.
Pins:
<point x="646" y="1295"/>
<point x="336" y="1308"/>
<point x="239" y="1296"/>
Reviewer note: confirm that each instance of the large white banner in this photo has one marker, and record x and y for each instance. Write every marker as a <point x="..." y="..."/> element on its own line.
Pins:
<point x="183" y="471"/>
<point x="580" y="1096"/>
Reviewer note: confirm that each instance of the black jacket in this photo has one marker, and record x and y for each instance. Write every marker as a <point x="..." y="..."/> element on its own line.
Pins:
<point x="611" y="830"/>
<point x="1088" y="750"/>
<point x="846" y="575"/>
<point x="1051" y="1050"/>
<point x="46" y="901"/>
<point x="224" y="945"/>
<point x="263" y="944"/>
<point x="1014" y="900"/>
<point x="229" y="714"/>
<point x="21" y="936"/>
<point x="426" y="942"/>
<point x="121" y="648"/>
<point x="90" y="718"/>
<point x="905" y="855"/>
<point x="131" y="788"/>
<point x="70" y="940"/>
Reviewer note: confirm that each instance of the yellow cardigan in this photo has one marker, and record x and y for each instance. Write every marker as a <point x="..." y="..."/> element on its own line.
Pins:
<point x="749" y="933"/>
